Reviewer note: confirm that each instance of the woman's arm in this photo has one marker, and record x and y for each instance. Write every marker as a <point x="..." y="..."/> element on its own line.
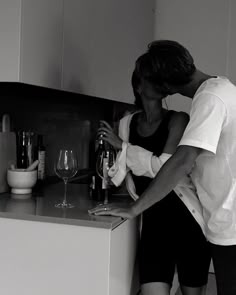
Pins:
<point x="139" y="160"/>
<point x="176" y="128"/>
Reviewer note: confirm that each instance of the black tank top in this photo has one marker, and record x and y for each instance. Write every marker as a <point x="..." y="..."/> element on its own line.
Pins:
<point x="154" y="143"/>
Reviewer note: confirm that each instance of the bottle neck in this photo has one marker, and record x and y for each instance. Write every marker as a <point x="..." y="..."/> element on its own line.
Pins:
<point x="101" y="142"/>
<point x="40" y="142"/>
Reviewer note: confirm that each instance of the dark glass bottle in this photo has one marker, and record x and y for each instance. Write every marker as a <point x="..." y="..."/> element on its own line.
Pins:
<point x="41" y="156"/>
<point x="97" y="182"/>
<point x="105" y="158"/>
<point x="22" y="157"/>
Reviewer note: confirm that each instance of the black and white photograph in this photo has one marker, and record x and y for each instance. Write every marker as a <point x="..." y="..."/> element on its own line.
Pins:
<point x="117" y="147"/>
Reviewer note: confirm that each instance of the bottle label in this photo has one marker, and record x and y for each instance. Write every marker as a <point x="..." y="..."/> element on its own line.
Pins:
<point x="105" y="173"/>
<point x="41" y="165"/>
<point x="30" y="154"/>
<point x="93" y="183"/>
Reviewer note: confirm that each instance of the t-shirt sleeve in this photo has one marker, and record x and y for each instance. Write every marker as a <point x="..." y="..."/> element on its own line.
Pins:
<point x="207" y="117"/>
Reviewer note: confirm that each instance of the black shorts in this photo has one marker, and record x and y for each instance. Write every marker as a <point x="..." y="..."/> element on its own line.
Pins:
<point x="171" y="238"/>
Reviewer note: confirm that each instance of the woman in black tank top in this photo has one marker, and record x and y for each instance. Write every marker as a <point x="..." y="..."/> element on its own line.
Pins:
<point x="170" y="238"/>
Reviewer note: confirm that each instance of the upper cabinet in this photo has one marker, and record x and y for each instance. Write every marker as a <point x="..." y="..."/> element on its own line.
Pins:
<point x="102" y="40"/>
<point x="10" y="24"/>
<point x="84" y="46"/>
<point x="31" y="41"/>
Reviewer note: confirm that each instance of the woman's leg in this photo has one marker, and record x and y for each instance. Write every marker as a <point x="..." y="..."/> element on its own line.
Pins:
<point x="193" y="256"/>
<point x="193" y="291"/>
<point x="164" y="289"/>
<point x="155" y="288"/>
<point x="156" y="253"/>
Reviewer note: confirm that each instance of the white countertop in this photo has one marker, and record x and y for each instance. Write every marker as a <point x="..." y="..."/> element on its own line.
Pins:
<point x="40" y="206"/>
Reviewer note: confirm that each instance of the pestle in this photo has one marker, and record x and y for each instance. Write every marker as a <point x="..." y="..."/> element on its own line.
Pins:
<point x="32" y="166"/>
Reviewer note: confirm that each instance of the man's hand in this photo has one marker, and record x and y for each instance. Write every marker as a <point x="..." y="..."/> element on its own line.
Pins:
<point x="113" y="210"/>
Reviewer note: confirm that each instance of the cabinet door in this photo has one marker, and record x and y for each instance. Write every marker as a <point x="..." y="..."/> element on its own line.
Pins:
<point x="41" y="42"/>
<point x="10" y="39"/>
<point x="102" y="40"/>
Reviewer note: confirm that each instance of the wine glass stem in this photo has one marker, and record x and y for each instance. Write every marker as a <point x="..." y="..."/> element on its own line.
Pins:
<point x="65" y="191"/>
<point x="106" y="197"/>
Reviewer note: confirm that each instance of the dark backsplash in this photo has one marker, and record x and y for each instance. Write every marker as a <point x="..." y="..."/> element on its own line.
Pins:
<point x="65" y="119"/>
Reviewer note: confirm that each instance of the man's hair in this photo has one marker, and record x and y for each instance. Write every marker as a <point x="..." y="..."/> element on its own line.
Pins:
<point x="170" y="63"/>
<point x="165" y="62"/>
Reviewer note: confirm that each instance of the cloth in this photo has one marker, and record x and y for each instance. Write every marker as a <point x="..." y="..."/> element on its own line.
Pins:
<point x="151" y="164"/>
<point x="172" y="239"/>
<point x="167" y="223"/>
<point x="223" y="256"/>
<point x="212" y="127"/>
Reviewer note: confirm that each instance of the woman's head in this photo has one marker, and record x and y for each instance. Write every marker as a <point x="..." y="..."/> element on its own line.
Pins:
<point x="143" y="85"/>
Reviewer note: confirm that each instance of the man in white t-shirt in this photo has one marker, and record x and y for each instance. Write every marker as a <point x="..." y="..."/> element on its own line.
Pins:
<point x="207" y="152"/>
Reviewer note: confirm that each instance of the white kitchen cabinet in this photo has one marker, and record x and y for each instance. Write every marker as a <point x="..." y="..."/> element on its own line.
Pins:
<point x="84" y="46"/>
<point x="50" y="258"/>
<point x="102" y="40"/>
<point x="49" y="251"/>
<point x="31" y="37"/>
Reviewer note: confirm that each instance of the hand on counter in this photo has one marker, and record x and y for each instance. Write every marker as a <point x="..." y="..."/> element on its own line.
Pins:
<point x="113" y="210"/>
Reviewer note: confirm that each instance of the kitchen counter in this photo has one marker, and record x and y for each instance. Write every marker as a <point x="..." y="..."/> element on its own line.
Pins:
<point x="47" y="250"/>
<point x="41" y="206"/>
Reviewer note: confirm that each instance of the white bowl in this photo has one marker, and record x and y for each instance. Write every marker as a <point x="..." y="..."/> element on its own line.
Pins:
<point x="21" y="181"/>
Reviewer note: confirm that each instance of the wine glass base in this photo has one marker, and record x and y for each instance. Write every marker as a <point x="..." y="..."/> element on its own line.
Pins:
<point x="64" y="205"/>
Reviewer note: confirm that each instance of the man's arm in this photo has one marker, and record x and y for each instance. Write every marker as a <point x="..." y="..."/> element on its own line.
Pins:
<point x="177" y="167"/>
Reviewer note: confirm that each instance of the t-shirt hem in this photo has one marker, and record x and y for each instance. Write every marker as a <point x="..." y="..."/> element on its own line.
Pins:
<point x="222" y="242"/>
<point x="198" y="144"/>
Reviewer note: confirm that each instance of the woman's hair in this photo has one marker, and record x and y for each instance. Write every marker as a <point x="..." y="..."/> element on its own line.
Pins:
<point x="171" y="63"/>
<point x="144" y="71"/>
<point x="165" y="63"/>
<point x="135" y="81"/>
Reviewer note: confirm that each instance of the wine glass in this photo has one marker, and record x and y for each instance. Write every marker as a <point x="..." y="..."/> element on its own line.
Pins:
<point x="105" y="161"/>
<point x="66" y="167"/>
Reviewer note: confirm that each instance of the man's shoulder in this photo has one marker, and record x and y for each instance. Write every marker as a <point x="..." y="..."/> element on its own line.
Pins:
<point x="219" y="87"/>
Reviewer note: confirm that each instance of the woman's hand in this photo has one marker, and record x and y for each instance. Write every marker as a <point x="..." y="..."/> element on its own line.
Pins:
<point x="113" y="210"/>
<point x="108" y="135"/>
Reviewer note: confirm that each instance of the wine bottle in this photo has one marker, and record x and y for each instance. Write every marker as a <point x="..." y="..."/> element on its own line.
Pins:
<point x="97" y="181"/>
<point x="104" y="161"/>
<point x="41" y="155"/>
<point x="22" y="158"/>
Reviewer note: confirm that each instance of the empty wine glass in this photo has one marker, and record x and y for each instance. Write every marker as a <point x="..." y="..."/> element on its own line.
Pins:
<point x="66" y="167"/>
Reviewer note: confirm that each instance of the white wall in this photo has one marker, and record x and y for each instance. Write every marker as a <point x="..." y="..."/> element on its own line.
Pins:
<point x="204" y="27"/>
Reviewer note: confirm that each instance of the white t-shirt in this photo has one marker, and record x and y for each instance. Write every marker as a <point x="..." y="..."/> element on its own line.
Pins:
<point x="212" y="127"/>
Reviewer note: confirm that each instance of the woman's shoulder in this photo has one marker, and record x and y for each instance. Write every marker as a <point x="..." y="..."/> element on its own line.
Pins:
<point x="128" y="116"/>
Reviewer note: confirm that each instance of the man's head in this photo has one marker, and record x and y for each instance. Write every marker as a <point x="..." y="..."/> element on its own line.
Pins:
<point x="168" y="65"/>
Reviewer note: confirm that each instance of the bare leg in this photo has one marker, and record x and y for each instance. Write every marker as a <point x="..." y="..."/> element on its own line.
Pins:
<point x="193" y="291"/>
<point x="155" y="289"/>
